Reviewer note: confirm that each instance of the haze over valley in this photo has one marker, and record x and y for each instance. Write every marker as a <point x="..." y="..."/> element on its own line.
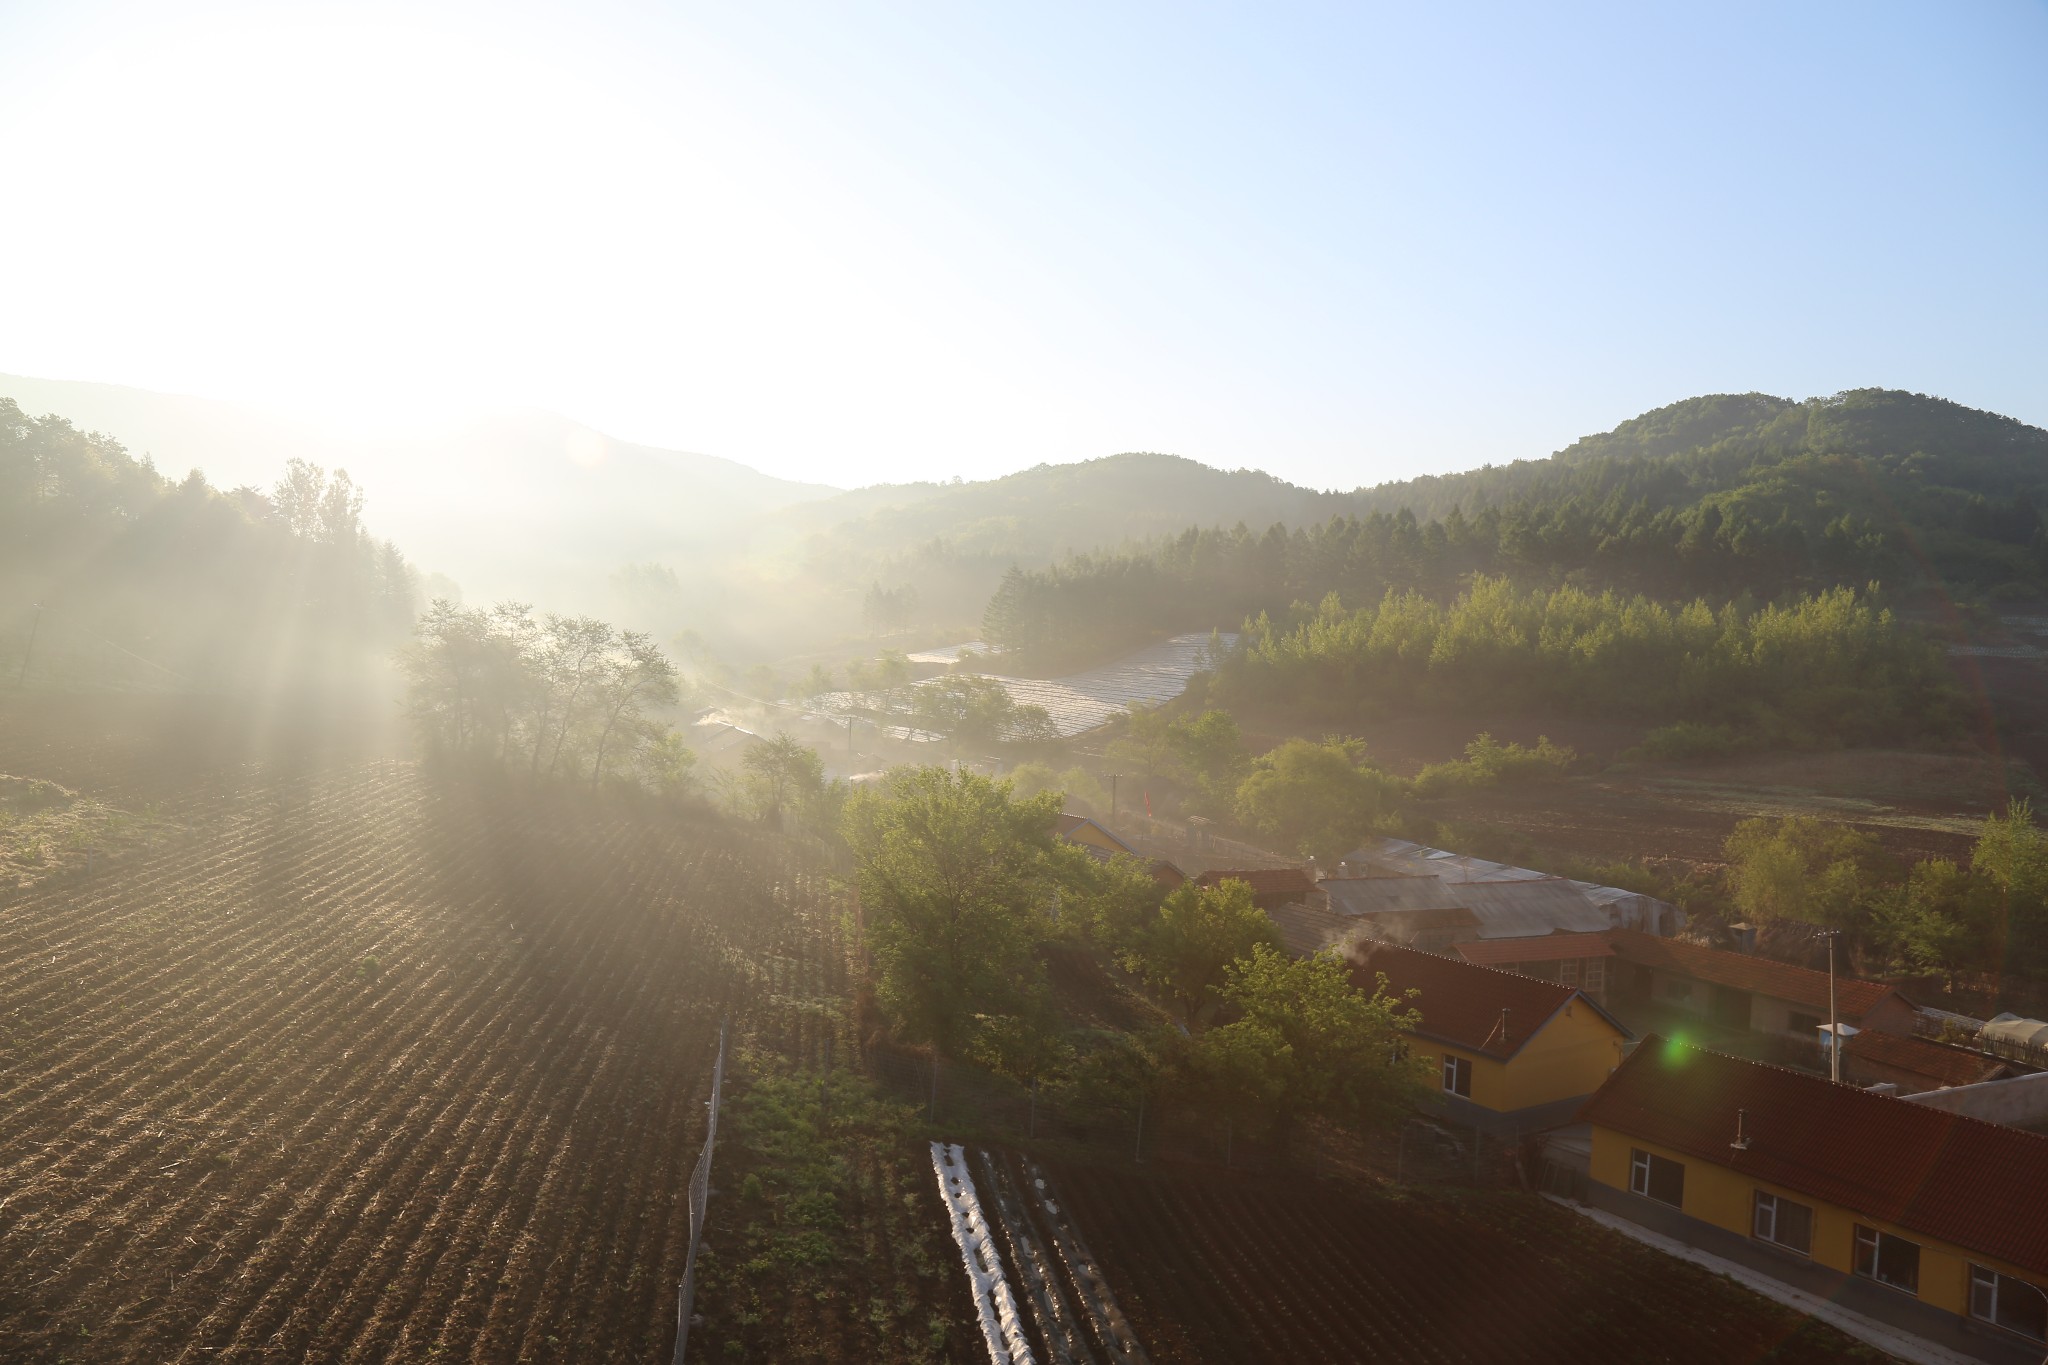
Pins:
<point x="1074" y="685"/>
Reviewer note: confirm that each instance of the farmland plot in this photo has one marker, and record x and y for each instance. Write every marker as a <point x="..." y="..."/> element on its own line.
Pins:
<point x="382" y="1069"/>
<point x="1220" y="1270"/>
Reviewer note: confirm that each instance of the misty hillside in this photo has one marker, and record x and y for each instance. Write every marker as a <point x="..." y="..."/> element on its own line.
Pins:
<point x="525" y="504"/>
<point x="1047" y="510"/>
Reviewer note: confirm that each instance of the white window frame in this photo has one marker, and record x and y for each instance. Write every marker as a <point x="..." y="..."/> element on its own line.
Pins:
<point x="1874" y="1239"/>
<point x="1765" y="1208"/>
<point x="1455" y="1070"/>
<point x="1640" y="1164"/>
<point x="1568" y="973"/>
<point x="1986" y="1287"/>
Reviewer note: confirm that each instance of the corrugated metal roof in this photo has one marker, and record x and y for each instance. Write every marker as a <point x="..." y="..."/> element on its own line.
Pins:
<point x="1528" y="909"/>
<point x="1549" y="948"/>
<point x="1405" y="857"/>
<point x="1976" y="1185"/>
<point x="1380" y="895"/>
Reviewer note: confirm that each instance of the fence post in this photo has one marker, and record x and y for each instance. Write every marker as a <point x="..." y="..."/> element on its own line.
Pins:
<point x="699" y="1199"/>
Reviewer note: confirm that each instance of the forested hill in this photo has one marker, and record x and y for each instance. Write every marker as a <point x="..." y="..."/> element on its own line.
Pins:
<point x="113" y="577"/>
<point x="1690" y="450"/>
<point x="1713" y="497"/>
<point x="1040" y="513"/>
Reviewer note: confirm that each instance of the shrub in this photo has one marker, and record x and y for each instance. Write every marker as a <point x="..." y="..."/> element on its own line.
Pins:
<point x="1687" y="740"/>
<point x="1488" y="762"/>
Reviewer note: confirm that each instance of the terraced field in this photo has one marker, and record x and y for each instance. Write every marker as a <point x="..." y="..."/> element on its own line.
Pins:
<point x="371" y="1068"/>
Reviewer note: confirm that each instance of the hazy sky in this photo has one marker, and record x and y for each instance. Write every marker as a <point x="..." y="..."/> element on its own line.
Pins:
<point x="854" y="242"/>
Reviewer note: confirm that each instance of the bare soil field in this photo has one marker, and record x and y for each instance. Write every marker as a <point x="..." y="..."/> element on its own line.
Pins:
<point x="1917" y="804"/>
<point x="373" y="1068"/>
<point x="1220" y="1269"/>
<point x="139" y="749"/>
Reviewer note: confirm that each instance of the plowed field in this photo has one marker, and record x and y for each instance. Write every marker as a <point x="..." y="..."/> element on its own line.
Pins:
<point x="1217" y="1271"/>
<point x="372" y="1068"/>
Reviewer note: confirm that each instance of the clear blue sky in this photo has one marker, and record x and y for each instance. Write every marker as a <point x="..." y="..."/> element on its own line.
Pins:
<point x="856" y="242"/>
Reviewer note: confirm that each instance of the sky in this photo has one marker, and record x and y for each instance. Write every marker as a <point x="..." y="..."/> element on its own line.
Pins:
<point x="855" y="243"/>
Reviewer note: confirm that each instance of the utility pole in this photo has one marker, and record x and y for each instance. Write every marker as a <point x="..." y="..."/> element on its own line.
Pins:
<point x="30" y="648"/>
<point x="1834" y="1025"/>
<point x="1112" y="793"/>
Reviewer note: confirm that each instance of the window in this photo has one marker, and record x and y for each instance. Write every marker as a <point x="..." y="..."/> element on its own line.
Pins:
<point x="1677" y="988"/>
<point x="2006" y="1302"/>
<point x="1784" y="1223"/>
<point x="1595" y="982"/>
<point x="1458" y="1076"/>
<point x="1807" y="1024"/>
<point x="1659" y="1177"/>
<point x="1888" y="1259"/>
<point x="1568" y="973"/>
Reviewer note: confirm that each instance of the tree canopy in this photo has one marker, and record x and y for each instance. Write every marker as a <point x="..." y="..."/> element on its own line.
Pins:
<point x="121" y="577"/>
<point x="958" y="880"/>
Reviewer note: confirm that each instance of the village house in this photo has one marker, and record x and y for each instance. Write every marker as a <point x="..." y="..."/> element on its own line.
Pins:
<point x="1429" y="913"/>
<point x="1510" y="1054"/>
<point x="1099" y="842"/>
<point x="1581" y="961"/>
<point x="1271" y="886"/>
<point x="1744" y="992"/>
<point x="1930" y="1220"/>
<point x="1619" y="908"/>
<point x="1912" y="1065"/>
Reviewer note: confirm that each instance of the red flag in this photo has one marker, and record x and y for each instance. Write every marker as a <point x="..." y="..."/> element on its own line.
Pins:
<point x="1148" y="805"/>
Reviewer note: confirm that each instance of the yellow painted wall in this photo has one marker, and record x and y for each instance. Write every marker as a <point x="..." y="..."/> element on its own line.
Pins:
<point x="1489" y="1079"/>
<point x="1714" y="1194"/>
<point x="1571" y="1055"/>
<point x="1089" y="834"/>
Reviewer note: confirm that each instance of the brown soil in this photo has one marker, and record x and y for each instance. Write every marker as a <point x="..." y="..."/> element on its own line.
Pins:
<point x="1222" y="1269"/>
<point x="1918" y="805"/>
<point x="377" y="1068"/>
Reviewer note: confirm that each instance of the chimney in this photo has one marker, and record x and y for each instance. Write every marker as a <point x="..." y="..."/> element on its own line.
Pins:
<point x="1741" y="1143"/>
<point x="1505" y="1039"/>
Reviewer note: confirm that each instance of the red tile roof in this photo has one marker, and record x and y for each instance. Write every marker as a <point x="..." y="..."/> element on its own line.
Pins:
<point x="1741" y="971"/>
<point x="1264" y="881"/>
<point x="1543" y="948"/>
<point x="1956" y="1179"/>
<point x="1460" y="1004"/>
<point x="1937" y="1062"/>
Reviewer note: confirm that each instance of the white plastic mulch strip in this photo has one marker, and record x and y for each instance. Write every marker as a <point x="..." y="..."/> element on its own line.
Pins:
<point x="994" y="1303"/>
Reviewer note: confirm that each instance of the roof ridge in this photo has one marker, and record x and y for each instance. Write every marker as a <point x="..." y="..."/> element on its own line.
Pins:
<point x="1374" y="945"/>
<point x="1849" y="1087"/>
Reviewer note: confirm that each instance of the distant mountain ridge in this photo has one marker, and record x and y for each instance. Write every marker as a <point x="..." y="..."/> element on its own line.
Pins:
<point x="1702" y="494"/>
